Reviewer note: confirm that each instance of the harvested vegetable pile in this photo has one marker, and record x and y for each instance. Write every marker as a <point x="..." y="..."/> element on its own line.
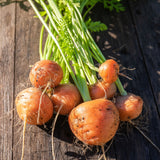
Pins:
<point x="66" y="80"/>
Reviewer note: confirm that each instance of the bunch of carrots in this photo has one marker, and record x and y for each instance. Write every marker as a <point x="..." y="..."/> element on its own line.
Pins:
<point x="66" y="80"/>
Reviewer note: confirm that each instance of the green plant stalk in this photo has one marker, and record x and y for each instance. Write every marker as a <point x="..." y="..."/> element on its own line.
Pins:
<point x="85" y="50"/>
<point x="89" y="9"/>
<point x="50" y="46"/>
<point x="56" y="56"/>
<point x="83" y="4"/>
<point x="80" y="51"/>
<point x="82" y="80"/>
<point x="120" y="87"/>
<point x="40" y="43"/>
<point x="96" y="51"/>
<point x="49" y="51"/>
<point x="51" y="34"/>
<point x="79" y="79"/>
<point x="91" y="80"/>
<point x="65" y="73"/>
<point x="49" y="14"/>
<point x="55" y="9"/>
<point x="41" y="39"/>
<point x="46" y="46"/>
<point x="58" y="14"/>
<point x="80" y="44"/>
<point x="98" y="54"/>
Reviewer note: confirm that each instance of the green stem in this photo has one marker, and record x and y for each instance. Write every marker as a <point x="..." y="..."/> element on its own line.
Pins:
<point x="79" y="80"/>
<point x="47" y="43"/>
<point x="120" y="87"/>
<point x="96" y="49"/>
<point x="82" y="82"/>
<point x="83" y="5"/>
<point x="56" y="42"/>
<point x="98" y="54"/>
<point x="55" y="9"/>
<point x="41" y="39"/>
<point x="50" y="49"/>
<point x="85" y="50"/>
<point x="88" y="10"/>
<point x="40" y="43"/>
<point x="50" y="46"/>
<point x="81" y="50"/>
<point x="49" y="15"/>
<point x="82" y="42"/>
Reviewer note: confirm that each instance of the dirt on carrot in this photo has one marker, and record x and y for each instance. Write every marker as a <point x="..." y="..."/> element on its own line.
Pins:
<point x="94" y="122"/>
<point x="45" y="72"/>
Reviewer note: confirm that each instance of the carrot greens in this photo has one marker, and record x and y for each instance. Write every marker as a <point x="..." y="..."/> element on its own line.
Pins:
<point x="69" y="41"/>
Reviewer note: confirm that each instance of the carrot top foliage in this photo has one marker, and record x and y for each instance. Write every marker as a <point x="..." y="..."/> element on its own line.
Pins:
<point x="69" y="41"/>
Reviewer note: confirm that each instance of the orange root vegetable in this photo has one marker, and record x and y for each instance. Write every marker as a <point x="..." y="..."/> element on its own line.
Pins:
<point x="46" y="72"/>
<point x="94" y="122"/>
<point x="102" y="90"/>
<point x="129" y="106"/>
<point x="66" y="95"/>
<point x="33" y="106"/>
<point x="109" y="71"/>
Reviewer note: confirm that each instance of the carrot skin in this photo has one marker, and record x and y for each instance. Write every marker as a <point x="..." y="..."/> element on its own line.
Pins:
<point x="45" y="72"/>
<point x="66" y="95"/>
<point x="109" y="71"/>
<point x="129" y="106"/>
<point x="102" y="90"/>
<point x="28" y="102"/>
<point x="94" y="122"/>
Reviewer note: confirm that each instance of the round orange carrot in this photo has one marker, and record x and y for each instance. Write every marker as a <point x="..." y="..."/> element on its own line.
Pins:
<point x="67" y="96"/>
<point x="33" y="106"/>
<point x="46" y="72"/>
<point x="109" y="71"/>
<point x="94" y="122"/>
<point x="129" y="106"/>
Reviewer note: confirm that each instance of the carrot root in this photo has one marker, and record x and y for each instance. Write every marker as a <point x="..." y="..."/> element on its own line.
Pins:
<point x="39" y="109"/>
<point x="24" y="129"/>
<point x="147" y="138"/>
<point x="106" y="150"/>
<point x="123" y="75"/>
<point x="105" y="92"/>
<point x="104" y="155"/>
<point x="53" y="128"/>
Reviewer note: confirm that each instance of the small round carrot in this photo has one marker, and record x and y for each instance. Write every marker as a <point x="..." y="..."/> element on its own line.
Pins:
<point x="101" y="89"/>
<point x="129" y="106"/>
<point x="45" y="72"/>
<point x="67" y="96"/>
<point x="94" y="122"/>
<point x="109" y="71"/>
<point x="33" y="106"/>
